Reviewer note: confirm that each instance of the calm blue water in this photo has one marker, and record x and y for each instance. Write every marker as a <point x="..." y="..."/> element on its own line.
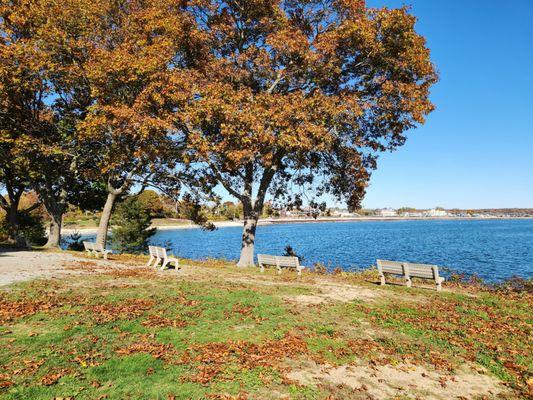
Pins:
<point x="493" y="249"/>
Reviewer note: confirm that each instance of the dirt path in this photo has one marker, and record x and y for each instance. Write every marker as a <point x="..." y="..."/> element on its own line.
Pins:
<point x="16" y="266"/>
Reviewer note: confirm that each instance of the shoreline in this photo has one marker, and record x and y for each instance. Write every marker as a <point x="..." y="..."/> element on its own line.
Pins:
<point x="262" y="222"/>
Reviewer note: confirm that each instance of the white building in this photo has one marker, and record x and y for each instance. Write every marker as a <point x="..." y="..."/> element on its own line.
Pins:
<point x="388" y="212"/>
<point x="436" y="213"/>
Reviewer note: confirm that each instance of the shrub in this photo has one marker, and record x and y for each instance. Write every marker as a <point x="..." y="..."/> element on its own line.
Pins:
<point x="75" y="242"/>
<point x="320" y="268"/>
<point x="289" y="252"/>
<point x="131" y="231"/>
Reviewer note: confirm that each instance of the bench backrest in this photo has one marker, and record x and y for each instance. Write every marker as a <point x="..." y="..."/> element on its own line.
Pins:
<point x="161" y="252"/>
<point x="390" y="267"/>
<point x="282" y="261"/>
<point x="290" y="262"/>
<point x="152" y="250"/>
<point x="413" y="270"/>
<point x="423" y="271"/>
<point x="265" y="259"/>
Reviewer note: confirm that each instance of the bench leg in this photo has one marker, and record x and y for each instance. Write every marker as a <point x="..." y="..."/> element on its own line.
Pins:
<point x="165" y="262"/>
<point x="150" y="261"/>
<point x="408" y="282"/>
<point x="105" y="255"/>
<point x="439" y="287"/>
<point x="261" y="267"/>
<point x="382" y="280"/>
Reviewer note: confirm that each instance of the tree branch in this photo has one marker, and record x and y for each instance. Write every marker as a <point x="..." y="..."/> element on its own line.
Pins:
<point x="33" y="206"/>
<point x="278" y="79"/>
<point x="223" y="181"/>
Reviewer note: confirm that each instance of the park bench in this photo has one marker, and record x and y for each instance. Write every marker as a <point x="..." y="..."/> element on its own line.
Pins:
<point x="95" y="249"/>
<point x="279" y="262"/>
<point x="159" y="254"/>
<point x="408" y="271"/>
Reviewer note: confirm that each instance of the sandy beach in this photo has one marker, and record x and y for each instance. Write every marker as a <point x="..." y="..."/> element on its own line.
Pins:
<point x="225" y="224"/>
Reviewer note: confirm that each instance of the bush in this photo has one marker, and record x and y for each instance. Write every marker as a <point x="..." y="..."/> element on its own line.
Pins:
<point x="75" y="242"/>
<point x="320" y="268"/>
<point x="131" y="231"/>
<point x="289" y="252"/>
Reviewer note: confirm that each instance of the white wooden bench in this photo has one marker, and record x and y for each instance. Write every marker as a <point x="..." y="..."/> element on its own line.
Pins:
<point x="279" y="262"/>
<point x="159" y="254"/>
<point x="409" y="270"/>
<point x="95" y="249"/>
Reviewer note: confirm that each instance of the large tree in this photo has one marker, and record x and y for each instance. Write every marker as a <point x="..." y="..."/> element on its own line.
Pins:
<point x="43" y="91"/>
<point x="136" y="46"/>
<point x="299" y="95"/>
<point x="24" y="113"/>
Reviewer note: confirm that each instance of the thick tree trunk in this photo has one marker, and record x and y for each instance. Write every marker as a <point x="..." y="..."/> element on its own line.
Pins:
<point x="55" y="205"/>
<point x="248" y="241"/>
<point x="103" y="226"/>
<point x="54" y="235"/>
<point x="251" y="216"/>
<point x="12" y="221"/>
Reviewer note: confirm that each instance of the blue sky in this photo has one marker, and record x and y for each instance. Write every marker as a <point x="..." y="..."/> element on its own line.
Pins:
<point x="476" y="149"/>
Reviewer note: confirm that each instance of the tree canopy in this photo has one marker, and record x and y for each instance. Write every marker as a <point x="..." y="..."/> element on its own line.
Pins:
<point x="300" y="96"/>
<point x="284" y="100"/>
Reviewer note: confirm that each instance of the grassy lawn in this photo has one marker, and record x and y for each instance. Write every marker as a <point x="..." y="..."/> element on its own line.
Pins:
<point x="223" y="334"/>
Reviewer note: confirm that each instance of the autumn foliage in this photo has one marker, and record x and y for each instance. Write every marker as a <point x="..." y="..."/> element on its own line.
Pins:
<point x="281" y="99"/>
<point x="296" y="95"/>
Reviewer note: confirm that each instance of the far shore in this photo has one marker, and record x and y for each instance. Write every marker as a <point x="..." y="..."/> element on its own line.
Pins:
<point x="163" y="226"/>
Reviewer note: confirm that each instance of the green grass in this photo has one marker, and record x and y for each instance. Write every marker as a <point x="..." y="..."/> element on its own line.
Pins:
<point x="148" y="337"/>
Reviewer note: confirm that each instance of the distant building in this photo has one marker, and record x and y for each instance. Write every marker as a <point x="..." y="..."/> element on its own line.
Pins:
<point x="388" y="212"/>
<point x="413" y="214"/>
<point x="434" y="212"/>
<point x="340" y="212"/>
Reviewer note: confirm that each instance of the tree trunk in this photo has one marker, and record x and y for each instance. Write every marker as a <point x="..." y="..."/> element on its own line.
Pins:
<point x="103" y="226"/>
<point x="12" y="222"/>
<point x="248" y="239"/>
<point x="54" y="236"/>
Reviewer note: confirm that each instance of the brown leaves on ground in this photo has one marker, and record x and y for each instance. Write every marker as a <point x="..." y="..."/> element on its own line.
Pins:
<point x="86" y="266"/>
<point x="161" y="322"/>
<point x="212" y="358"/>
<point x="245" y="311"/>
<point x="22" y="367"/>
<point x="129" y="309"/>
<point x="127" y="272"/>
<point x="146" y="344"/>
<point x="5" y="381"/>
<point x="484" y="330"/>
<point x="53" y="378"/>
<point x="11" y="310"/>
<point x="240" y="396"/>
